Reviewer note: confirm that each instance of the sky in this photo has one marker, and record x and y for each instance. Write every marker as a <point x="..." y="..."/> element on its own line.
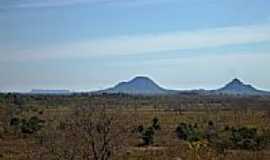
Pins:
<point x="86" y="45"/>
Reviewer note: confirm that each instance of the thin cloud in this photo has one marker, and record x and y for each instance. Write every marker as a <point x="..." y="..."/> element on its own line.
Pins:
<point x="150" y="43"/>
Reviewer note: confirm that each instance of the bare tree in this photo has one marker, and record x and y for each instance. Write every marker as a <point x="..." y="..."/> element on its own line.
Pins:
<point x="88" y="133"/>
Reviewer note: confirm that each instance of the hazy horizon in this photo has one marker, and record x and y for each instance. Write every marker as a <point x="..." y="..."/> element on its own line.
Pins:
<point x="128" y="80"/>
<point x="86" y="45"/>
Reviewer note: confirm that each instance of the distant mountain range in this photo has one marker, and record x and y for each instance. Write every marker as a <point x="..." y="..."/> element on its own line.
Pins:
<point x="146" y="86"/>
<point x="54" y="92"/>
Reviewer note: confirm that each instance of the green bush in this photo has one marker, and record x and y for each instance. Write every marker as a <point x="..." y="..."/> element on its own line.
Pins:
<point x="140" y="129"/>
<point x="230" y="138"/>
<point x="188" y="132"/>
<point x="15" y="122"/>
<point x="30" y="126"/>
<point x="156" y="124"/>
<point x="147" y="134"/>
<point x="246" y="138"/>
<point x="239" y="138"/>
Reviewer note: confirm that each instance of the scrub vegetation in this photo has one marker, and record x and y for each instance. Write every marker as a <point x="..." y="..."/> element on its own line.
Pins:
<point x="124" y="127"/>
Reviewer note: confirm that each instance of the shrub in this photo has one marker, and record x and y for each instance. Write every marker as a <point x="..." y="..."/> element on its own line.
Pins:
<point x="188" y="132"/>
<point x="156" y="124"/>
<point x="148" y="136"/>
<point x="246" y="138"/>
<point x="239" y="138"/>
<point x="30" y="126"/>
<point x="15" y="122"/>
<point x="140" y="128"/>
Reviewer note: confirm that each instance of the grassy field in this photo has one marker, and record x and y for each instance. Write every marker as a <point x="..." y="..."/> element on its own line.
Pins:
<point x="122" y="127"/>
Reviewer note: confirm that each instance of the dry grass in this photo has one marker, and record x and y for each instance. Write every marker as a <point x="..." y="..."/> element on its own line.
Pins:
<point x="166" y="147"/>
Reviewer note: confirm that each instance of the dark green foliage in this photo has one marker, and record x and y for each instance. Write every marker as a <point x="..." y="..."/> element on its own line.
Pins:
<point x="229" y="138"/>
<point x="156" y="124"/>
<point x="140" y="128"/>
<point x="265" y="138"/>
<point x="239" y="138"/>
<point x="15" y="122"/>
<point x="30" y="126"/>
<point x="148" y="136"/>
<point x="245" y="138"/>
<point x="188" y="132"/>
<point x="35" y="123"/>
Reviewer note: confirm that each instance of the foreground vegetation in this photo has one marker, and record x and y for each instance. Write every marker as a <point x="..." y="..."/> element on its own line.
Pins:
<point x="105" y="127"/>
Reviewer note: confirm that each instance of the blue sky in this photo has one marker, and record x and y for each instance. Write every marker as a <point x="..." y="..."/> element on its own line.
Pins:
<point x="93" y="44"/>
